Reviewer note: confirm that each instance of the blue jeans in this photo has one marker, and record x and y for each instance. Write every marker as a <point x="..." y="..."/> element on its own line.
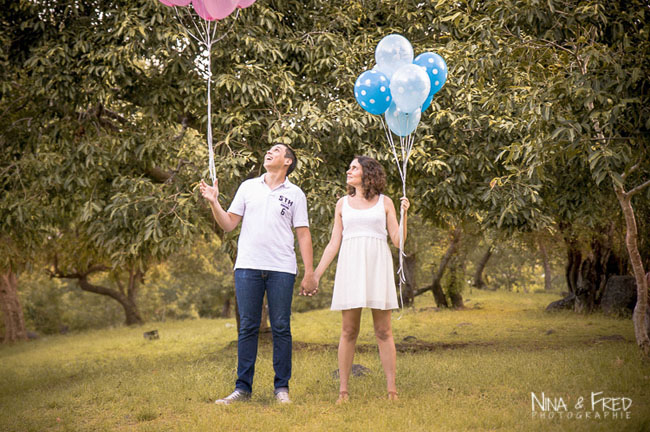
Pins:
<point x="250" y="286"/>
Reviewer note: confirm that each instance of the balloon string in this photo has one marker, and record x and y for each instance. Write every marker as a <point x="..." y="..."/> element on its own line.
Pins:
<point x="406" y="145"/>
<point x="206" y="32"/>
<point x="213" y="171"/>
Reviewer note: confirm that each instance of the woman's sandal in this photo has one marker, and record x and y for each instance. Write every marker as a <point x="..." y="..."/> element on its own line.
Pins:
<point x="343" y="398"/>
<point x="392" y="396"/>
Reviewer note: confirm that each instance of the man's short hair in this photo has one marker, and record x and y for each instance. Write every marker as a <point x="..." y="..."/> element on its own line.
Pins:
<point x="290" y="154"/>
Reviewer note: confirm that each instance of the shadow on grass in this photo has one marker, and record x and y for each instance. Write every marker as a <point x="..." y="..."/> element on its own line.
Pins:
<point x="424" y="347"/>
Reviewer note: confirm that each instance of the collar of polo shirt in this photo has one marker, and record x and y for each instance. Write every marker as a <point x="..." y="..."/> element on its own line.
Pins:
<point x="285" y="183"/>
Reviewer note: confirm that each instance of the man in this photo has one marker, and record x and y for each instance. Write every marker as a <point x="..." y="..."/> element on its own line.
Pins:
<point x="269" y="207"/>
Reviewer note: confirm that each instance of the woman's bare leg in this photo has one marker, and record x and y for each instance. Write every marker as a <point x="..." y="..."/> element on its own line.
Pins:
<point x="387" y="355"/>
<point x="349" y="332"/>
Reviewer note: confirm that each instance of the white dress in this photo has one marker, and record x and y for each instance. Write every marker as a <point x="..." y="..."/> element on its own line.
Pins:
<point x="364" y="271"/>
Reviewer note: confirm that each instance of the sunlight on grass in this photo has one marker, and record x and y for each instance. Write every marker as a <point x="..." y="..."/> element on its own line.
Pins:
<point x="473" y="369"/>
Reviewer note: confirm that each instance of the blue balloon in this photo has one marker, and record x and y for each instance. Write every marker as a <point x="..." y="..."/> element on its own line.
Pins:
<point x="400" y="122"/>
<point x="409" y="87"/>
<point x="372" y="92"/>
<point x="392" y="52"/>
<point x="436" y="69"/>
<point x="427" y="102"/>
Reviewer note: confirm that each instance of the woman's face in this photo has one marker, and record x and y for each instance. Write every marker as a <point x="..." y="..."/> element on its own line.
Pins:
<point x="354" y="174"/>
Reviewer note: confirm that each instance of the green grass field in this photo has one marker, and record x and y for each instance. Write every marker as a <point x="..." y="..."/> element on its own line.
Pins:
<point x="466" y="370"/>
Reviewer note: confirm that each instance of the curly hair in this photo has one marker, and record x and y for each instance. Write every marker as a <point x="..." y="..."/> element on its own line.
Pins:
<point x="373" y="178"/>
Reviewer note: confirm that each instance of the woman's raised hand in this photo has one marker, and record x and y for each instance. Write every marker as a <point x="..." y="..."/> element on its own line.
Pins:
<point x="405" y="204"/>
<point x="211" y="193"/>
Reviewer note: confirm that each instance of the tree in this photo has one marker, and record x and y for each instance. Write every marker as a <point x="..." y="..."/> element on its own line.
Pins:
<point x="23" y="167"/>
<point x="594" y="105"/>
<point x="96" y="159"/>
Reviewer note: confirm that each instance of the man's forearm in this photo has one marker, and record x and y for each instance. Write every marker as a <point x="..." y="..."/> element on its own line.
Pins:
<point x="221" y="216"/>
<point x="306" y="251"/>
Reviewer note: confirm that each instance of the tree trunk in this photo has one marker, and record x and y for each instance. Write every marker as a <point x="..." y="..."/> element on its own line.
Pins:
<point x="12" y="312"/>
<point x="128" y="303"/>
<point x="478" y="274"/>
<point x="132" y="313"/>
<point x="574" y="258"/>
<point x="410" y="265"/>
<point x="640" y="310"/>
<point x="592" y="277"/>
<point x="548" y="277"/>
<point x="587" y="274"/>
<point x="456" y="300"/>
<point x="435" y="287"/>
<point x="456" y="283"/>
<point x="225" y="310"/>
<point x="438" y="294"/>
<point x="625" y="201"/>
<point x="647" y="313"/>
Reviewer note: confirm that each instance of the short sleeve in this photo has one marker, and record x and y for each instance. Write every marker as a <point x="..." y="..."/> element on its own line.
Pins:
<point x="300" y="216"/>
<point x="238" y="204"/>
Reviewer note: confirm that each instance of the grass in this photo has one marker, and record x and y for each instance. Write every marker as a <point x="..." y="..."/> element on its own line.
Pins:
<point x="469" y="370"/>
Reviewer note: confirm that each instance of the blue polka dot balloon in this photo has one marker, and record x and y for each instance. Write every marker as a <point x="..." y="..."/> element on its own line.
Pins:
<point x="372" y="92"/>
<point x="436" y="69"/>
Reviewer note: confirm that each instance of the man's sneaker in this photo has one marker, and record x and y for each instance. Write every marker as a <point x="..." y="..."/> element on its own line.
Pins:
<point x="282" y="396"/>
<point x="236" y="396"/>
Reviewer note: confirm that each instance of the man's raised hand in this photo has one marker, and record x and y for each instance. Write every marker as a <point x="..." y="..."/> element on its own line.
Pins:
<point x="211" y="193"/>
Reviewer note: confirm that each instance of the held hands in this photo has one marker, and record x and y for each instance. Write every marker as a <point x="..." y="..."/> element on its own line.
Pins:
<point x="211" y="193"/>
<point x="309" y="285"/>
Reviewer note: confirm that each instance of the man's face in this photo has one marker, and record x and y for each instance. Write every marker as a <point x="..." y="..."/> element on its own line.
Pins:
<point x="275" y="157"/>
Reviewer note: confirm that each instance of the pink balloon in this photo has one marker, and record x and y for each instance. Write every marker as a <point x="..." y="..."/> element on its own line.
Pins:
<point x="199" y="7"/>
<point x="167" y="3"/>
<point x="220" y="9"/>
<point x="176" y="2"/>
<point x="245" y="3"/>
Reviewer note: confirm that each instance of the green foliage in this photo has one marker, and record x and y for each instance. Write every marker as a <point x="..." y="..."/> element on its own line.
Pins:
<point x="187" y="286"/>
<point x="592" y="109"/>
<point x="52" y="306"/>
<point x="102" y="119"/>
<point x="191" y="285"/>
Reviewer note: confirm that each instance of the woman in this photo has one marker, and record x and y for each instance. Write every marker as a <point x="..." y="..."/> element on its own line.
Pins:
<point x="364" y="272"/>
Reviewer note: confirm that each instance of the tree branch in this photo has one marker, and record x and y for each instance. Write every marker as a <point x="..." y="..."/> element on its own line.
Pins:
<point x="422" y="290"/>
<point x="57" y="273"/>
<point x="181" y="134"/>
<point x="630" y="171"/>
<point x="158" y="175"/>
<point x="638" y="189"/>
<point x="82" y="279"/>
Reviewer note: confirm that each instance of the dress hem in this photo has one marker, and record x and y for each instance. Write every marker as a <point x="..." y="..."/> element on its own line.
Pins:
<point x="362" y="306"/>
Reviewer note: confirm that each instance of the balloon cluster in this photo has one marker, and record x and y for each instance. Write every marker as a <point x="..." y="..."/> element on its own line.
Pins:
<point x="399" y="86"/>
<point x="211" y="10"/>
<point x="205" y="23"/>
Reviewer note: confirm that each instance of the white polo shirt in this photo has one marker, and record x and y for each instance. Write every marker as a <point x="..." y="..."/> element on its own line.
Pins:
<point x="266" y="240"/>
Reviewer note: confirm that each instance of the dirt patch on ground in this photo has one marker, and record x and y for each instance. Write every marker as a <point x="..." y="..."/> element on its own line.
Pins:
<point x="417" y="346"/>
<point x="411" y="347"/>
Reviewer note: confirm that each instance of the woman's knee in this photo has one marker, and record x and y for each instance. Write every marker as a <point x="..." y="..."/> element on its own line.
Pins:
<point x="349" y="332"/>
<point x="383" y="333"/>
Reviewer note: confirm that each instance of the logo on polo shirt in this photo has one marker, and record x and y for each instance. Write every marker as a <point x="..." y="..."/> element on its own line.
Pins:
<point x="286" y="204"/>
